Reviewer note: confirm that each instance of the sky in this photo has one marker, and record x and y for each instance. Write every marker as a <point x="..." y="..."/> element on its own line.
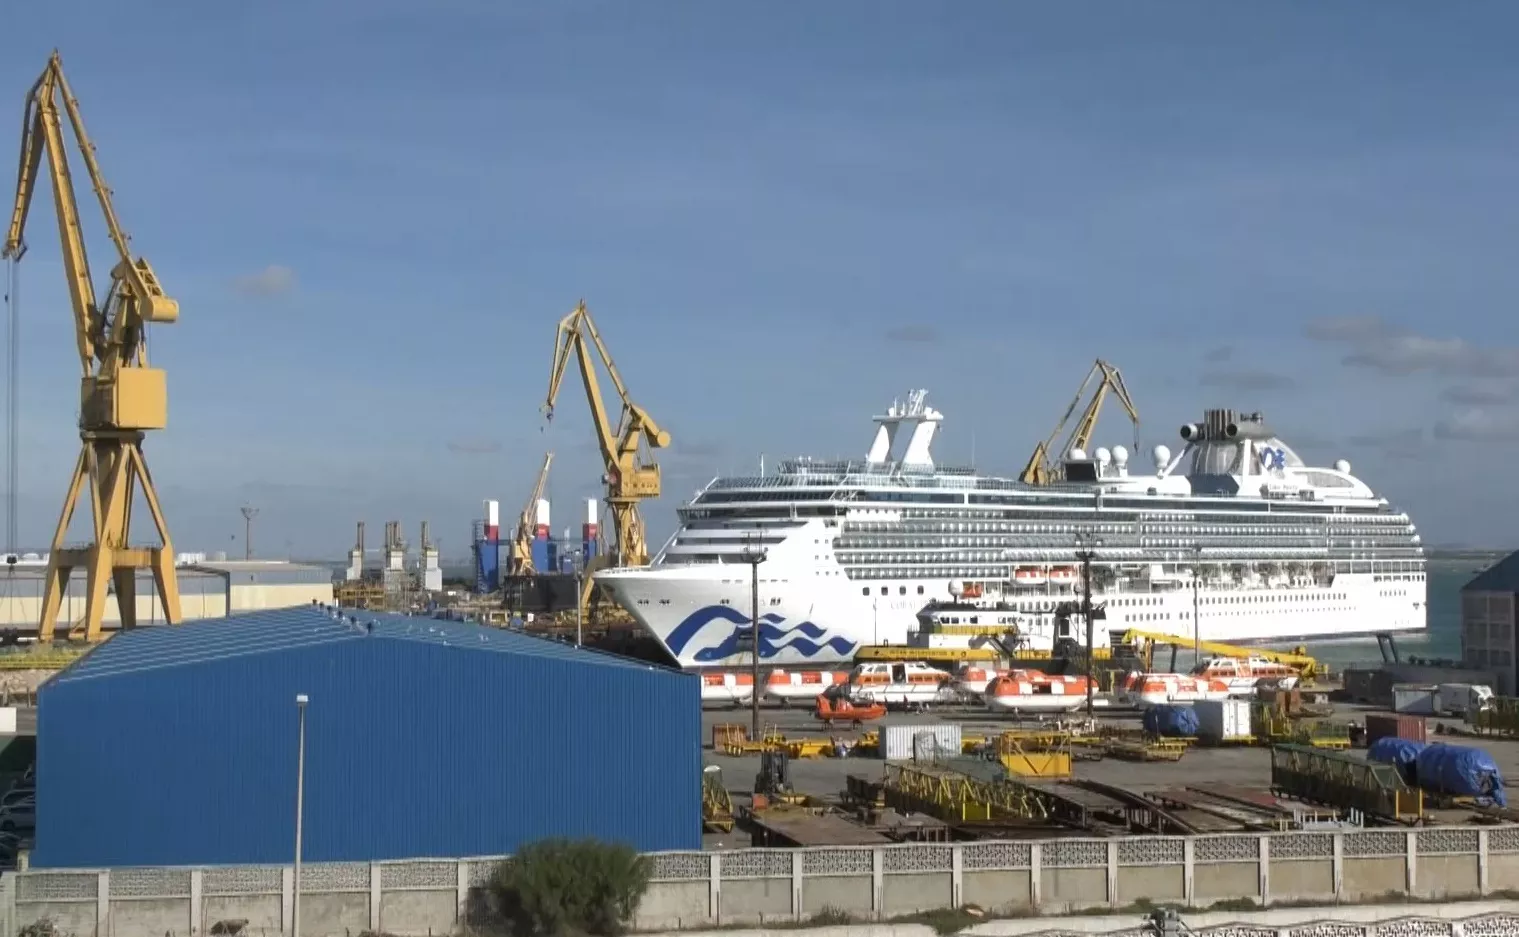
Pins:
<point x="782" y="217"/>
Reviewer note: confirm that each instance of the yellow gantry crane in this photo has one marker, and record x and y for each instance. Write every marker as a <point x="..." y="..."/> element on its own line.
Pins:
<point x="629" y="478"/>
<point x="527" y="525"/>
<point x="121" y="397"/>
<point x="1044" y="466"/>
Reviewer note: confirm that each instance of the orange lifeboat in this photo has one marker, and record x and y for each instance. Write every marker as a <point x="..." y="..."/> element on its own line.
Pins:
<point x="1034" y="691"/>
<point x="1244" y="675"/>
<point x="973" y="678"/>
<point x="835" y="707"/>
<point x="1148" y="689"/>
<point x="788" y="685"/>
<point x="727" y="687"/>
<point x="1029" y="576"/>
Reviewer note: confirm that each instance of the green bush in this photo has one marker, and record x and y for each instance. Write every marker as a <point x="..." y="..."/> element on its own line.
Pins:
<point x="558" y="887"/>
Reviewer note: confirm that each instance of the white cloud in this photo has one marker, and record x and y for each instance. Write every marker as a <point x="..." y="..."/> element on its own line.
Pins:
<point x="273" y="280"/>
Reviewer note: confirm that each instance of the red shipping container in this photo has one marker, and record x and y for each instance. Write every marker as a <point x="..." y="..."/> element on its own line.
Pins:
<point x="1396" y="725"/>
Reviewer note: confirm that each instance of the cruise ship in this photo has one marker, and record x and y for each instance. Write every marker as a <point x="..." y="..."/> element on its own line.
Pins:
<point x="1233" y="535"/>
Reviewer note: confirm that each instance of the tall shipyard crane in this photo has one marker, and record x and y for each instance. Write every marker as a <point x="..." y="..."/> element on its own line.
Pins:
<point x="121" y="397"/>
<point x="1043" y="466"/>
<point x="629" y="477"/>
<point x="527" y="525"/>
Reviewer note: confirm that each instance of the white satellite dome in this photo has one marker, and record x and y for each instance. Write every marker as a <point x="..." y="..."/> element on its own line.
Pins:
<point x="1077" y="454"/>
<point x="1120" y="455"/>
<point x="1162" y="456"/>
<point x="1342" y="466"/>
<point x="1103" y="455"/>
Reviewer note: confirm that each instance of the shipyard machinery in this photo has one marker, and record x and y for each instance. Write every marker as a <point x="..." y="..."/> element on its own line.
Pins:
<point x="527" y="523"/>
<point x="629" y="478"/>
<point x="1044" y="466"/>
<point x="121" y="397"/>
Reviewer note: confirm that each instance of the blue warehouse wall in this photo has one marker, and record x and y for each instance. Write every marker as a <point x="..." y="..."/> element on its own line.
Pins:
<point x="415" y="747"/>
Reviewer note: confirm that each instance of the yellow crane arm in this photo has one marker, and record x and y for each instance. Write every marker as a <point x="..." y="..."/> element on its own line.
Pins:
<point x="41" y="130"/>
<point x="628" y="481"/>
<point x="522" y="540"/>
<point x="570" y="340"/>
<point x="1043" y="465"/>
<point x="135" y="289"/>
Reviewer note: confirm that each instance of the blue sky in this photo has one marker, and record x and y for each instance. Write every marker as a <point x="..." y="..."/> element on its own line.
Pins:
<point x="782" y="216"/>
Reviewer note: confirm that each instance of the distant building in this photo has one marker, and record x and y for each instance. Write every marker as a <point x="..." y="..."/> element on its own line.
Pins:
<point x="1487" y="622"/>
<point x="209" y="589"/>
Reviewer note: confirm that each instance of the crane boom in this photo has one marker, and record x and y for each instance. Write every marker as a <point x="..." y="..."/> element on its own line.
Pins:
<point x="522" y="540"/>
<point x="629" y="478"/>
<point x="1044" y="464"/>
<point x="121" y="398"/>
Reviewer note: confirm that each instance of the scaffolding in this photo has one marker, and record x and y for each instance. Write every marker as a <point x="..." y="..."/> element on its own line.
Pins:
<point x="1344" y="781"/>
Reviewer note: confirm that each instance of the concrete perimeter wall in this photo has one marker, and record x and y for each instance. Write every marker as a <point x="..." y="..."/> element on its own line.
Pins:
<point x="702" y="889"/>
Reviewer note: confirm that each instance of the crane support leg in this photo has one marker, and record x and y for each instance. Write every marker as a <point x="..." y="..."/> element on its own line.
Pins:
<point x="112" y="466"/>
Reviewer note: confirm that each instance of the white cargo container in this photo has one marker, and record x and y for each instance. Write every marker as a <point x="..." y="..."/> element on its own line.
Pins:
<point x="1415" y="699"/>
<point x="1222" y="720"/>
<point x="920" y="742"/>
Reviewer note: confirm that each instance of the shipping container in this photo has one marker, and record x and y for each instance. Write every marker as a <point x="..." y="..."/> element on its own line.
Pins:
<point x="1416" y="700"/>
<point x="900" y="742"/>
<point x="1408" y="727"/>
<point x="424" y="738"/>
<point x="1223" y="720"/>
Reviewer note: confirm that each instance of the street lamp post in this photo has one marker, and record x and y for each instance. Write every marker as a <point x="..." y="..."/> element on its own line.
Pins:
<point x="1086" y="551"/>
<point x="754" y="556"/>
<point x="300" y="810"/>
<point x="1197" y="627"/>
<point x="579" y="605"/>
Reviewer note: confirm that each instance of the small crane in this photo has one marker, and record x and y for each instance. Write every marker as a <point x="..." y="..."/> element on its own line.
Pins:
<point x="527" y="523"/>
<point x="1043" y="468"/>
<point x="629" y="478"/>
<point x="121" y="397"/>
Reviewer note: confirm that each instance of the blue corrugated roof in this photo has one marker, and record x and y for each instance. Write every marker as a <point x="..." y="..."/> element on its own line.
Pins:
<point x="264" y="632"/>
<point x="1502" y="576"/>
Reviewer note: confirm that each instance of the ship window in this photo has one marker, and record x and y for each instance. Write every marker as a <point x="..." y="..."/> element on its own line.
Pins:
<point x="901" y="590"/>
<point x="883" y="590"/>
<point x="920" y="590"/>
<point x="865" y="591"/>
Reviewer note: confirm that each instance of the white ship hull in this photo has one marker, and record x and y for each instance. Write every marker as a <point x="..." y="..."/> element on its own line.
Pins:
<point x="811" y="613"/>
<point x="1280" y="551"/>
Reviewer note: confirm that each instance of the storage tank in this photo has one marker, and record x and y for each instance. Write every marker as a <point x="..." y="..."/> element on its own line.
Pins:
<point x="589" y="532"/>
<point x="492" y="522"/>
<point x="543" y="559"/>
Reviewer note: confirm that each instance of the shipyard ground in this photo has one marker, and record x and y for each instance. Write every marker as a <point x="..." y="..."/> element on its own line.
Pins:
<point x="825" y="778"/>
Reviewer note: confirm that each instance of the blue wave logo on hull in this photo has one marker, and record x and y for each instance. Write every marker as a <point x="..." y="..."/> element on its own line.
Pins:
<point x="805" y="638"/>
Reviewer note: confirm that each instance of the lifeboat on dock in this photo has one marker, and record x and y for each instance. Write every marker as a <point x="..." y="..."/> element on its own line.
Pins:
<point x="908" y="683"/>
<point x="836" y="706"/>
<point x="972" y="679"/>
<point x="1034" y="691"/>
<point x="727" y="687"/>
<point x="786" y="685"/>
<point x="1139" y="690"/>
<point x="1243" y="675"/>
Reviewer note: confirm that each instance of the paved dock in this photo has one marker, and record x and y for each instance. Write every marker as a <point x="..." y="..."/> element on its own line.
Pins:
<point x="1245" y="768"/>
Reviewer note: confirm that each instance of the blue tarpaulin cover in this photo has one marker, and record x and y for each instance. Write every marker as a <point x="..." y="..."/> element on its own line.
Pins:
<point x="1170" y="721"/>
<point x="1461" y="772"/>
<point x="1402" y="754"/>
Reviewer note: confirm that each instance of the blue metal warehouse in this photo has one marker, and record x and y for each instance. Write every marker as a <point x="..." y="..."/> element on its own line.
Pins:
<point x="177" y="746"/>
